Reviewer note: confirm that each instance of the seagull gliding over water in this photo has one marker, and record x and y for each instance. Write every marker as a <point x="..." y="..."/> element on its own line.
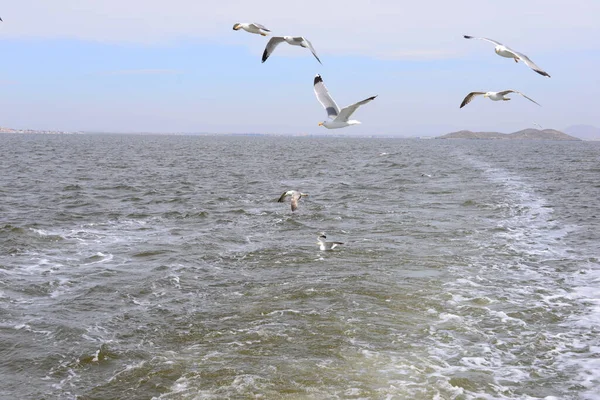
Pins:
<point x="340" y="117"/>
<point x="251" y="27"/>
<point x="504" y="51"/>
<point x="294" y="41"/>
<point x="495" y="96"/>
<point x="296" y="195"/>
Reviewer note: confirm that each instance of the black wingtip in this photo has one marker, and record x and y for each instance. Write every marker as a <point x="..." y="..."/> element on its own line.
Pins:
<point x="468" y="37"/>
<point x="372" y="97"/>
<point x="542" y="73"/>
<point x="318" y="79"/>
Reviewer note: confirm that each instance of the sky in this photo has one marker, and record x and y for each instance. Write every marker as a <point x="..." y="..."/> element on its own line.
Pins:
<point x="178" y="66"/>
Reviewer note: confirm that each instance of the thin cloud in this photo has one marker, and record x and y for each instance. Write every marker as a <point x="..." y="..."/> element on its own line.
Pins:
<point x="142" y="72"/>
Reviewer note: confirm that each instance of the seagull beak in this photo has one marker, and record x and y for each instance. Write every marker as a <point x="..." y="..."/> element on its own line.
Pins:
<point x="320" y="124"/>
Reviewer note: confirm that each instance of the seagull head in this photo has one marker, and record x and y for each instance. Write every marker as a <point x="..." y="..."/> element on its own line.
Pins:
<point x="323" y="124"/>
<point x="487" y="94"/>
<point x="237" y="26"/>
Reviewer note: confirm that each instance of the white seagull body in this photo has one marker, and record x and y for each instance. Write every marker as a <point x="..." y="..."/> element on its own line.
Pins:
<point x="325" y="246"/>
<point x="504" y="51"/>
<point x="495" y="96"/>
<point x="293" y="40"/>
<point x="252" y="28"/>
<point x="296" y="195"/>
<point x="339" y="118"/>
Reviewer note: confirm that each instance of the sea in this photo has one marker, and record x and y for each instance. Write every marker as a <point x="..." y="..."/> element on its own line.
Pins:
<point x="163" y="267"/>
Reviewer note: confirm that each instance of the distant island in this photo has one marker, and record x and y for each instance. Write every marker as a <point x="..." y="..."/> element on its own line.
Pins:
<point x="525" y="134"/>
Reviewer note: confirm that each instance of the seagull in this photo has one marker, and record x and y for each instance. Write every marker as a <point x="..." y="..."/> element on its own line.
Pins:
<point x="339" y="117"/>
<point x="496" y="96"/>
<point x="293" y="40"/>
<point x="296" y="195"/>
<point x="504" y="51"/>
<point x="538" y="125"/>
<point x="324" y="245"/>
<point x="251" y="27"/>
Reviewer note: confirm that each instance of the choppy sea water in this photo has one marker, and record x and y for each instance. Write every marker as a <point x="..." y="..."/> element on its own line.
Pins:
<point x="162" y="267"/>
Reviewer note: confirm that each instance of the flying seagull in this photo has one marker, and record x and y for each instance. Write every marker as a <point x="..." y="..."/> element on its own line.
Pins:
<point x="538" y="125"/>
<point x="251" y="27"/>
<point x="293" y="40"/>
<point x="339" y="117"/>
<point x="296" y="195"/>
<point x="504" y="51"/>
<point x="496" y="96"/>
<point x="324" y="245"/>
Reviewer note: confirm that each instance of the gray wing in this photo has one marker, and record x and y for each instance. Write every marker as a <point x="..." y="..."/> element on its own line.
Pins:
<point x="505" y="92"/>
<point x="259" y="26"/>
<point x="482" y="38"/>
<point x="325" y="98"/>
<point x="531" y="64"/>
<point x="469" y="97"/>
<point x="347" y="112"/>
<point x="273" y="42"/>
<point x="295" y="198"/>
<point x="309" y="45"/>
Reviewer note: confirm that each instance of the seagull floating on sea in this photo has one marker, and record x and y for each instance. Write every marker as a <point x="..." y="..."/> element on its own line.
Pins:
<point x="324" y="245"/>
<point x="252" y="28"/>
<point x="339" y="117"/>
<point x="495" y="96"/>
<point x="296" y="195"/>
<point x="293" y="40"/>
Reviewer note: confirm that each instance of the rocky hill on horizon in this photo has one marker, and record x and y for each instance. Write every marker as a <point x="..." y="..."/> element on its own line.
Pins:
<point x="525" y="134"/>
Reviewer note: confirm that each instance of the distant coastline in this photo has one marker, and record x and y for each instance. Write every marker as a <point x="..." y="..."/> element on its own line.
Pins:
<point x="525" y="134"/>
<point x="35" y="131"/>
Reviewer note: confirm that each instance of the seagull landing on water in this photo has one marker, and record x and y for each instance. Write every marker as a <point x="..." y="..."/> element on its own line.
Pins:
<point x="294" y="41"/>
<point x="296" y="195"/>
<point x="495" y="96"/>
<point x="324" y="245"/>
<point x="339" y="117"/>
<point x="252" y="28"/>
<point x="504" y="51"/>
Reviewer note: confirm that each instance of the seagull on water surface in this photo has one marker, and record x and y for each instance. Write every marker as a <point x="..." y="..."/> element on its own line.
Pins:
<point x="295" y="195"/>
<point x="252" y="28"/>
<point x="495" y="96"/>
<point x="504" y="51"/>
<point x="292" y="40"/>
<point x="340" y="118"/>
<point x="324" y="245"/>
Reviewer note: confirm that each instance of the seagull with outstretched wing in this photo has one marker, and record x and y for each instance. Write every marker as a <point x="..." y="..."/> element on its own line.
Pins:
<point x="339" y="118"/>
<point x="495" y="96"/>
<point x="292" y="40"/>
<point x="251" y="27"/>
<point x="504" y="51"/>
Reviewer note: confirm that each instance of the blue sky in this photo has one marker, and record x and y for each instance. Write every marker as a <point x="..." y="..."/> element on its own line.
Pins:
<point x="151" y="66"/>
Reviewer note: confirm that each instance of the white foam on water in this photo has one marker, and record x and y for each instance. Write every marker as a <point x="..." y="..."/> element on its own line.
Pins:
<point x="540" y="326"/>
